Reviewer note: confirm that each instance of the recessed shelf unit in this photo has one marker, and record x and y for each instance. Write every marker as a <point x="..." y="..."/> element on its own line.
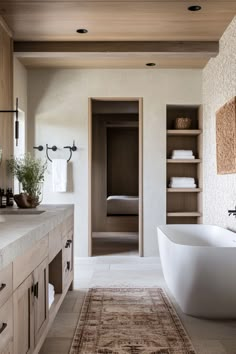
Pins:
<point x="184" y="204"/>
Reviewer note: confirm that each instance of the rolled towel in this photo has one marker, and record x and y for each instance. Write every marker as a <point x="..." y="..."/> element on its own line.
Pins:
<point x="182" y="152"/>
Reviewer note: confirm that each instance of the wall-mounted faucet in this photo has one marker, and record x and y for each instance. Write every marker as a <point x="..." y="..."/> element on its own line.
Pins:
<point x="232" y="212"/>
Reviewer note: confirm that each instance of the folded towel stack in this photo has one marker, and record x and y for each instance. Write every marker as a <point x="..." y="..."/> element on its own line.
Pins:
<point x="182" y="182"/>
<point x="182" y="154"/>
<point x="51" y="294"/>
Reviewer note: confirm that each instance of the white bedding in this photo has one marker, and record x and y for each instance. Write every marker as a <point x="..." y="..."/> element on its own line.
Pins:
<point x="122" y="205"/>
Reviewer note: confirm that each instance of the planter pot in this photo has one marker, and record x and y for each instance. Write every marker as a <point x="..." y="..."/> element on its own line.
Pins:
<point x="24" y="201"/>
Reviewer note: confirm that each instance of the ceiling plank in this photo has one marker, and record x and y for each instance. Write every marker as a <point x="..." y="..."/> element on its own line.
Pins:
<point x="117" y="20"/>
<point x="200" y="47"/>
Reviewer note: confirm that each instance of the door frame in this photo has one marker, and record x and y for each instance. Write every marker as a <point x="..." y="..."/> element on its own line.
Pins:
<point x="90" y="147"/>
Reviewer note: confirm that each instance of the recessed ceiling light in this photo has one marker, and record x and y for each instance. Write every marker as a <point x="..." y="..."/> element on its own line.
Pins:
<point x="194" y="8"/>
<point x="82" y="30"/>
<point x="151" y="64"/>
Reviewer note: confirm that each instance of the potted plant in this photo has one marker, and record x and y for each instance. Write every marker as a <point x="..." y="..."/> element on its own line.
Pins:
<point x="30" y="173"/>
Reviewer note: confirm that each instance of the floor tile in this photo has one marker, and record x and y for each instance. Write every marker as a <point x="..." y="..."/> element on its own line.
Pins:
<point x="133" y="266"/>
<point x="209" y="347"/>
<point x="64" y="325"/>
<point x="209" y="337"/>
<point x="56" y="346"/>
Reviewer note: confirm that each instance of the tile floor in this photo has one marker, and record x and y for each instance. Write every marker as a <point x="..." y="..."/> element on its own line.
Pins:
<point x="208" y="337"/>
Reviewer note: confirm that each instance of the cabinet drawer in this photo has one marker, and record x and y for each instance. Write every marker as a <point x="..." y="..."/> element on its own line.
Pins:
<point x="67" y="258"/>
<point x="8" y="349"/>
<point x="5" y="284"/>
<point x="55" y="237"/>
<point x="67" y="225"/>
<point x="6" y="324"/>
<point x="25" y="264"/>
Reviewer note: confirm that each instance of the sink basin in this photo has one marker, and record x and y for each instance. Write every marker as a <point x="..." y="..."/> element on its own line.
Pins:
<point x="21" y="212"/>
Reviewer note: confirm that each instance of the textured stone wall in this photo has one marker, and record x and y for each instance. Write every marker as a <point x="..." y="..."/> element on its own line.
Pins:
<point x="219" y="86"/>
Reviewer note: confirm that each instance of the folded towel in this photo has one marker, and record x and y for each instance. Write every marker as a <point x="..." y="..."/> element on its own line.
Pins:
<point x="182" y="179"/>
<point x="173" y="185"/>
<point x="50" y="287"/>
<point x="182" y="152"/>
<point x="50" y="301"/>
<point x="59" y="175"/>
<point x="51" y="294"/>
<point x="174" y="157"/>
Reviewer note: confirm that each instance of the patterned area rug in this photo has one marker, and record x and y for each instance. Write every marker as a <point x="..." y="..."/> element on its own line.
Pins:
<point x="129" y="321"/>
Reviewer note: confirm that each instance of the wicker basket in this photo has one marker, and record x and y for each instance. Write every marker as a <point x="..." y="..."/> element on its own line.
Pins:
<point x="183" y="123"/>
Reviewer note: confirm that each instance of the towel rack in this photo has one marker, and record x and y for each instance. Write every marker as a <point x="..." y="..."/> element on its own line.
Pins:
<point x="72" y="149"/>
<point x="53" y="148"/>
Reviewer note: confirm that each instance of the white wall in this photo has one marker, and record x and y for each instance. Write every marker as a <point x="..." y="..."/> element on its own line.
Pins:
<point x="58" y="111"/>
<point x="219" y="85"/>
<point x="20" y="90"/>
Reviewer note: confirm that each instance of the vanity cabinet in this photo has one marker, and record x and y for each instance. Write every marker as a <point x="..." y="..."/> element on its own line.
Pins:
<point x="67" y="255"/>
<point x="8" y="348"/>
<point x="25" y="317"/>
<point x="31" y="310"/>
<point x="40" y="299"/>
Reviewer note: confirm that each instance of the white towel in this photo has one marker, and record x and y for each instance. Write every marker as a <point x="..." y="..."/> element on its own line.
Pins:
<point x="59" y="175"/>
<point x="182" y="157"/>
<point x="51" y="294"/>
<point x="182" y="152"/>
<point x="50" y="288"/>
<point x="182" y="179"/>
<point x="173" y="185"/>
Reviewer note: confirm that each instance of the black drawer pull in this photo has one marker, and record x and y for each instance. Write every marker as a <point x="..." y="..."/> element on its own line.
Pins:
<point x="2" y="286"/>
<point x="67" y="265"/>
<point x="36" y="290"/>
<point x="4" y="326"/>
<point x="68" y="243"/>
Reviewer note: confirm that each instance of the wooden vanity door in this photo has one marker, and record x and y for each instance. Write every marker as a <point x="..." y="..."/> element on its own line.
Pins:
<point x="23" y="304"/>
<point x="40" y="299"/>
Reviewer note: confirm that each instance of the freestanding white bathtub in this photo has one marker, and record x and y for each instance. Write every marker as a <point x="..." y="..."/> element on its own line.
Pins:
<point x="199" y="266"/>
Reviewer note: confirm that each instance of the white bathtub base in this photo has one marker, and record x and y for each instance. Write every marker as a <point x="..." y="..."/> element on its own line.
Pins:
<point x="202" y="278"/>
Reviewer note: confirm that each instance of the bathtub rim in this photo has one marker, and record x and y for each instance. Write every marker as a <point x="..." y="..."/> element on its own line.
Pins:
<point x="194" y="246"/>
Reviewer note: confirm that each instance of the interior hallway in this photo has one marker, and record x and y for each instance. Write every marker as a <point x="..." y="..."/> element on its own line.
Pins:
<point x="208" y="337"/>
<point x="115" y="243"/>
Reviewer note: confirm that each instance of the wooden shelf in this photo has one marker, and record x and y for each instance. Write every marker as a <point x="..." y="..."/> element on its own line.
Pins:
<point x="183" y="161"/>
<point x="55" y="305"/>
<point x="184" y="190"/>
<point x="175" y="132"/>
<point x="184" y="214"/>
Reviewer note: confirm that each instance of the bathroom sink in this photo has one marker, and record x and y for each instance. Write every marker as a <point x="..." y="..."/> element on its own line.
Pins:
<point x="21" y="212"/>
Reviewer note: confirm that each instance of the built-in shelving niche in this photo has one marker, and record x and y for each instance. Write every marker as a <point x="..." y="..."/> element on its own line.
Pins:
<point x="56" y="279"/>
<point x="184" y="205"/>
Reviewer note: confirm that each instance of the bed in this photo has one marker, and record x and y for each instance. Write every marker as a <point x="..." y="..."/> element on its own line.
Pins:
<point x="122" y="205"/>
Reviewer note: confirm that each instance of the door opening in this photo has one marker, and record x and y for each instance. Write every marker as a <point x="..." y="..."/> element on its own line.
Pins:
<point x="115" y="176"/>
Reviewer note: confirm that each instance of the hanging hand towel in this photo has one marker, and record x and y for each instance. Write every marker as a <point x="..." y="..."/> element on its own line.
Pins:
<point x="59" y="175"/>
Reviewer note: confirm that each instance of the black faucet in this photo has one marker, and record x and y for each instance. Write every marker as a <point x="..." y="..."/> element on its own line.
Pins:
<point x="232" y="212"/>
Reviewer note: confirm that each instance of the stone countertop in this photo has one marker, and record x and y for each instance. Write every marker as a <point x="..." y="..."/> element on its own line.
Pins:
<point x="20" y="231"/>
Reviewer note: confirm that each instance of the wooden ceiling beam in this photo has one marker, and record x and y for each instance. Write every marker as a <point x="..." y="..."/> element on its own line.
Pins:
<point x="210" y="48"/>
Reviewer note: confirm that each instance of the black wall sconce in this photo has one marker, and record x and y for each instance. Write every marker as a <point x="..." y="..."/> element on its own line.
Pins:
<point x="16" y="111"/>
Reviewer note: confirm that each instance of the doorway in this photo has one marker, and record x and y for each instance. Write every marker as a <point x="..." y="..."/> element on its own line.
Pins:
<point x="115" y="176"/>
